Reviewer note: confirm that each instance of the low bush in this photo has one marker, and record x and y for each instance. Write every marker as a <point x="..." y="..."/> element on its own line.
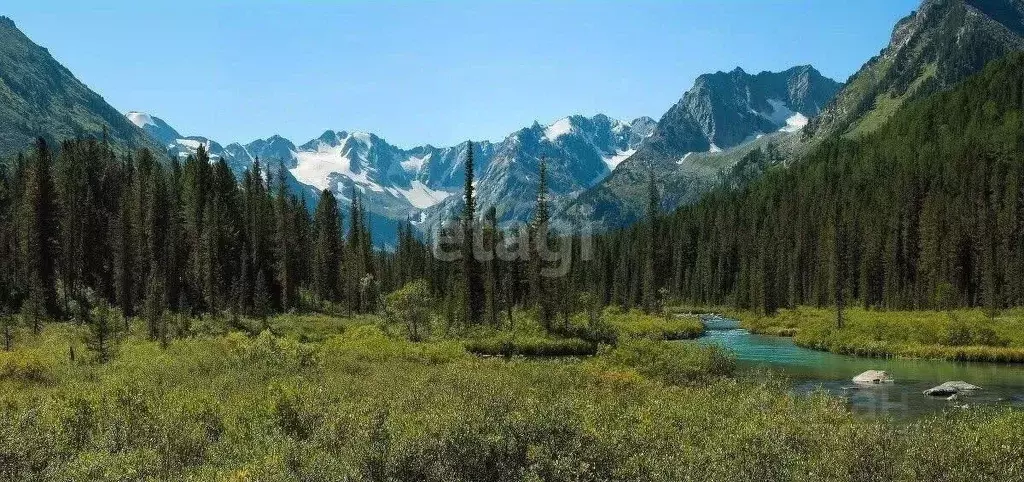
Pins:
<point x="636" y="324"/>
<point x="674" y="363"/>
<point x="530" y="346"/>
<point x="26" y="367"/>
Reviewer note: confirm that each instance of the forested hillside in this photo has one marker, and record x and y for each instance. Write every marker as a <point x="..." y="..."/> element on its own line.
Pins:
<point x="927" y="212"/>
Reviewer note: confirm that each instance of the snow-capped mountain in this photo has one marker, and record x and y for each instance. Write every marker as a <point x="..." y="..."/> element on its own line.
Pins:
<point x="579" y="152"/>
<point x="174" y="143"/>
<point x="722" y="111"/>
<point x="423" y="183"/>
<point x="726" y="109"/>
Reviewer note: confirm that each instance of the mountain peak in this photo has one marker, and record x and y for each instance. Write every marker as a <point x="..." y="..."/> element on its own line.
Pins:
<point x="932" y="49"/>
<point x="559" y="128"/>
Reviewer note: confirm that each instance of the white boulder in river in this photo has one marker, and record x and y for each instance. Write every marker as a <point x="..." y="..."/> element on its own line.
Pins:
<point x="951" y="388"/>
<point x="872" y="377"/>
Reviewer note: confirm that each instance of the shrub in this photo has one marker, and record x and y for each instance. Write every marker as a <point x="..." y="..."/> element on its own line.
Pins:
<point x="25" y="367"/>
<point x="674" y="363"/>
<point x="530" y="346"/>
<point x="636" y="324"/>
<point x="410" y="307"/>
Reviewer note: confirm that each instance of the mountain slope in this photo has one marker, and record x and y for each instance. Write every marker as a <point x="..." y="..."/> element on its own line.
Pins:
<point x="40" y="97"/>
<point x="720" y="115"/>
<point x="932" y="49"/>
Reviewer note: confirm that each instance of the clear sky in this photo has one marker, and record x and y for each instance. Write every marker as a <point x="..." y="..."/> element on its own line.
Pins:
<point x="432" y="71"/>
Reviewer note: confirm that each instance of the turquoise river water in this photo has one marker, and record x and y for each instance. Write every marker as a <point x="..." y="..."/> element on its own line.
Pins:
<point x="811" y="370"/>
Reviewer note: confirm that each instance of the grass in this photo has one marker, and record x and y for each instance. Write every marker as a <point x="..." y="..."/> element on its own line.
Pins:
<point x="673" y="363"/>
<point x="961" y="335"/>
<point x="579" y="336"/>
<point x="635" y="324"/>
<point x="886" y="106"/>
<point x="362" y="404"/>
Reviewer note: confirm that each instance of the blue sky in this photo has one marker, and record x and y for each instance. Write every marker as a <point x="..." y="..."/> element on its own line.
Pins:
<point x="432" y="72"/>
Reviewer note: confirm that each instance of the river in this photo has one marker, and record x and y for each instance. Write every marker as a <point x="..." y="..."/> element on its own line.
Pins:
<point x="811" y="370"/>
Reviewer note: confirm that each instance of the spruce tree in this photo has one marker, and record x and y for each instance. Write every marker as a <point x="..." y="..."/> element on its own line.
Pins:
<point x="326" y="247"/>
<point x="284" y="246"/>
<point x="650" y="294"/>
<point x="493" y="267"/>
<point x="472" y="283"/>
<point x="38" y="237"/>
<point x="539" y="244"/>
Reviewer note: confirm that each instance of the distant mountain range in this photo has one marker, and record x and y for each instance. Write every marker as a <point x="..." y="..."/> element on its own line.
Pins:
<point x="599" y="167"/>
<point x="422" y="183"/>
<point x="583" y="154"/>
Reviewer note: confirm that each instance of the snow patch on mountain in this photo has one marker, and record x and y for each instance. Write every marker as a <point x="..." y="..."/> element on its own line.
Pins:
<point x="613" y="161"/>
<point x="795" y="123"/>
<point x="317" y="168"/>
<point x="420" y="196"/>
<point x="413" y="164"/>
<point x="788" y="119"/>
<point x="780" y="112"/>
<point x="558" y="129"/>
<point x="193" y="144"/>
<point x="140" y="119"/>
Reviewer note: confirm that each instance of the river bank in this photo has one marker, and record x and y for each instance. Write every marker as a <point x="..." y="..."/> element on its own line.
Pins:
<point x="956" y="335"/>
<point x="811" y="371"/>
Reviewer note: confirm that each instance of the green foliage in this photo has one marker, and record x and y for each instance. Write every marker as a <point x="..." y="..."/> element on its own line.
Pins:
<point x="410" y="307"/>
<point x="964" y="335"/>
<point x="673" y="363"/>
<point x="636" y="324"/>
<point x="104" y="331"/>
<point x="26" y="367"/>
<point x="366" y="406"/>
<point x="530" y="346"/>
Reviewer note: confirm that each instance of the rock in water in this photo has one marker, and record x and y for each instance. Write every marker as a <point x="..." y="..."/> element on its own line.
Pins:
<point x="951" y="388"/>
<point x="873" y="377"/>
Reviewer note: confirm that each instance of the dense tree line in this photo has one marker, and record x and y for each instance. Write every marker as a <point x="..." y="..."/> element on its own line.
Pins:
<point x="80" y="225"/>
<point x="926" y="212"/>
